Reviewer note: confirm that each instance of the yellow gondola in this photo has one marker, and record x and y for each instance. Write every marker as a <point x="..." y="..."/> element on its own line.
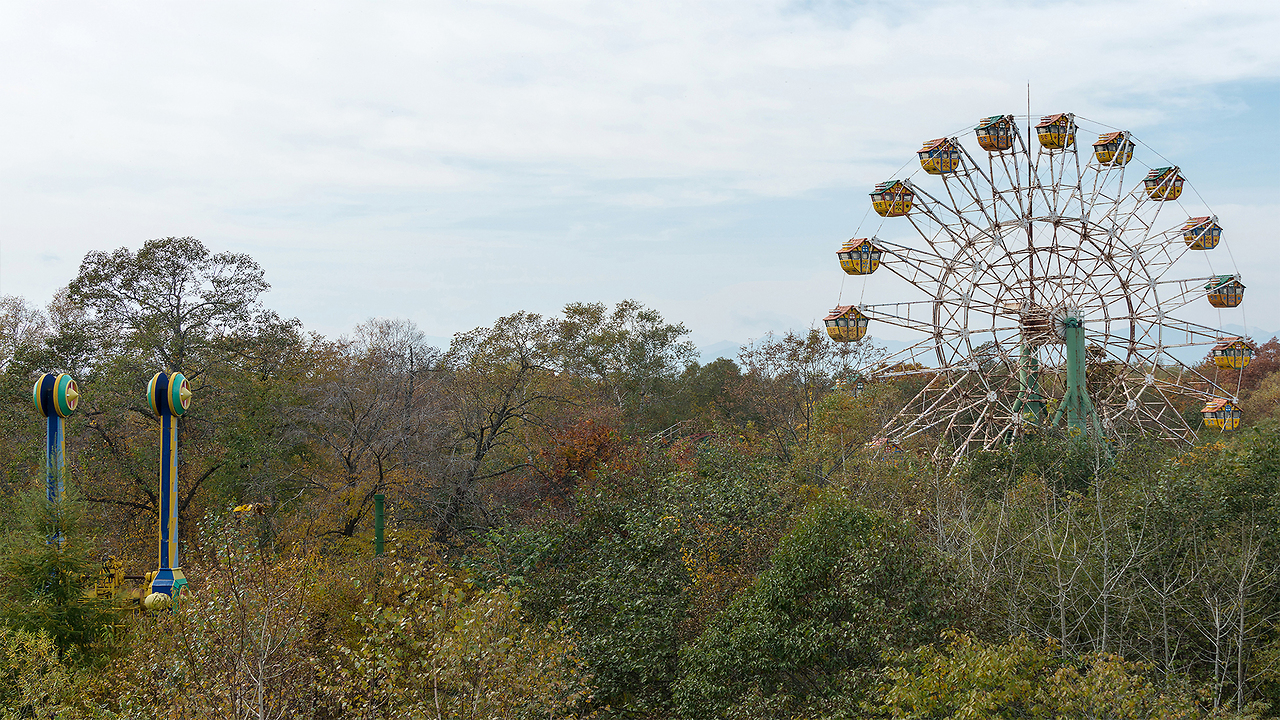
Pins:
<point x="859" y="256"/>
<point x="995" y="133"/>
<point x="1057" y="132"/>
<point x="892" y="198"/>
<point x="883" y="446"/>
<point x="1202" y="233"/>
<point x="1233" y="352"/>
<point x="846" y="324"/>
<point x="1225" y="291"/>
<point x="1221" y="413"/>
<point x="939" y="156"/>
<point x="1164" y="183"/>
<point x="1113" y="148"/>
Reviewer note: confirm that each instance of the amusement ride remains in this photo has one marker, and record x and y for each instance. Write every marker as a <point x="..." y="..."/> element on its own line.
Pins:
<point x="1049" y="293"/>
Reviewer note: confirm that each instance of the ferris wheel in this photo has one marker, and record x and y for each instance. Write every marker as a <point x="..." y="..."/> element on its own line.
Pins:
<point x="1046" y="285"/>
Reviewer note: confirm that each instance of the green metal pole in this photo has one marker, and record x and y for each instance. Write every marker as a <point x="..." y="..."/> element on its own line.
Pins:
<point x="1075" y="402"/>
<point x="379" y="523"/>
<point x="1030" y="401"/>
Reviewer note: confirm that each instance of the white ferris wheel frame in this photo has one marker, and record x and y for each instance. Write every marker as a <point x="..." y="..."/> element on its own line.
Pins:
<point x="1013" y="245"/>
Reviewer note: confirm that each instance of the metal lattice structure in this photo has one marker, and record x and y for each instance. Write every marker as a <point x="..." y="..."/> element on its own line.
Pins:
<point x="1049" y="283"/>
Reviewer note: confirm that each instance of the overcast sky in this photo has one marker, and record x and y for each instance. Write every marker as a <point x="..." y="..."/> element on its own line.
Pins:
<point x="451" y="162"/>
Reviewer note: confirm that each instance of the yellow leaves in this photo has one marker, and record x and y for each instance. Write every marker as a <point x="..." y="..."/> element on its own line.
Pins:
<point x="459" y="650"/>
<point x="33" y="678"/>
<point x="969" y="679"/>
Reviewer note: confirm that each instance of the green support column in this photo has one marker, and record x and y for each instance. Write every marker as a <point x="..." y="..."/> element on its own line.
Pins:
<point x="379" y="523"/>
<point x="1075" y="401"/>
<point x="1030" y="402"/>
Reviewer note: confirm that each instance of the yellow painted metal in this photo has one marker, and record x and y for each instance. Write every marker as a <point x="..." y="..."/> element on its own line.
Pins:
<point x="846" y="324"/>
<point x="1234" y="353"/>
<point x="939" y="156"/>
<point x="1202" y="233"/>
<point x="1057" y="132"/>
<point x="1113" y="148"/>
<point x="892" y="198"/>
<point x="1221" y="413"/>
<point x="995" y="133"/>
<point x="859" y="257"/>
<point x="1164" y="183"/>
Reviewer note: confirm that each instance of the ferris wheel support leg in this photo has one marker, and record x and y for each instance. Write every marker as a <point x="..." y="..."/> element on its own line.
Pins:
<point x="1081" y="415"/>
<point x="1030" y="402"/>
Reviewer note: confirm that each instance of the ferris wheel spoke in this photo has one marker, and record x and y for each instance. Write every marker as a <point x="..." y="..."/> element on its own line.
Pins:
<point x="921" y="269"/>
<point x="997" y="199"/>
<point x="938" y="406"/>
<point x="1190" y="381"/>
<point x="1185" y="292"/>
<point x="1097" y="197"/>
<point x="1123" y="212"/>
<point x="1194" y="334"/>
<point x="975" y="232"/>
<point x="901" y="315"/>
<point x="955" y="230"/>
<point x="1162" y="251"/>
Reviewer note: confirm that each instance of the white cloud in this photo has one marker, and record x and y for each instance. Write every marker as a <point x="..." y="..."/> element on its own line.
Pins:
<point x="451" y="161"/>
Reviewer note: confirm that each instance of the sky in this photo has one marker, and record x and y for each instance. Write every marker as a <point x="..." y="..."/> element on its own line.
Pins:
<point x="453" y="162"/>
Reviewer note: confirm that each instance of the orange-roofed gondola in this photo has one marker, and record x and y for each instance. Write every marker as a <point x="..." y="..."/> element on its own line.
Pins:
<point x="1202" y="233"/>
<point x="939" y="156"/>
<point x="996" y="133"/>
<point x="1057" y="132"/>
<point x="859" y="256"/>
<point x="885" y="448"/>
<point x="1113" y="148"/>
<point x="846" y="324"/>
<point x="1225" y="291"/>
<point x="1233" y="352"/>
<point x="1164" y="183"/>
<point x="1221" y="413"/>
<point x="892" y="198"/>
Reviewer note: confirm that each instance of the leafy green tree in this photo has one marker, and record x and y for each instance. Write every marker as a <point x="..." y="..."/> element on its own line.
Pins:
<point x="656" y="548"/>
<point x="174" y="305"/>
<point x="172" y="301"/>
<point x="47" y="587"/>
<point x="844" y="586"/>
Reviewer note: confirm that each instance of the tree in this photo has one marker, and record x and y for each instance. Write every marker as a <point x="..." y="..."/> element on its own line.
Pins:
<point x="786" y="377"/>
<point x="374" y="418"/>
<point x="238" y="645"/>
<point x="631" y="353"/>
<point x="844" y="586"/>
<point x="171" y="302"/>
<point x="35" y="679"/>
<point x="1019" y="679"/>
<point x="43" y="584"/>
<point x="447" y="649"/>
<point x="21" y="325"/>
<point x="178" y="307"/>
<point x="498" y="386"/>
